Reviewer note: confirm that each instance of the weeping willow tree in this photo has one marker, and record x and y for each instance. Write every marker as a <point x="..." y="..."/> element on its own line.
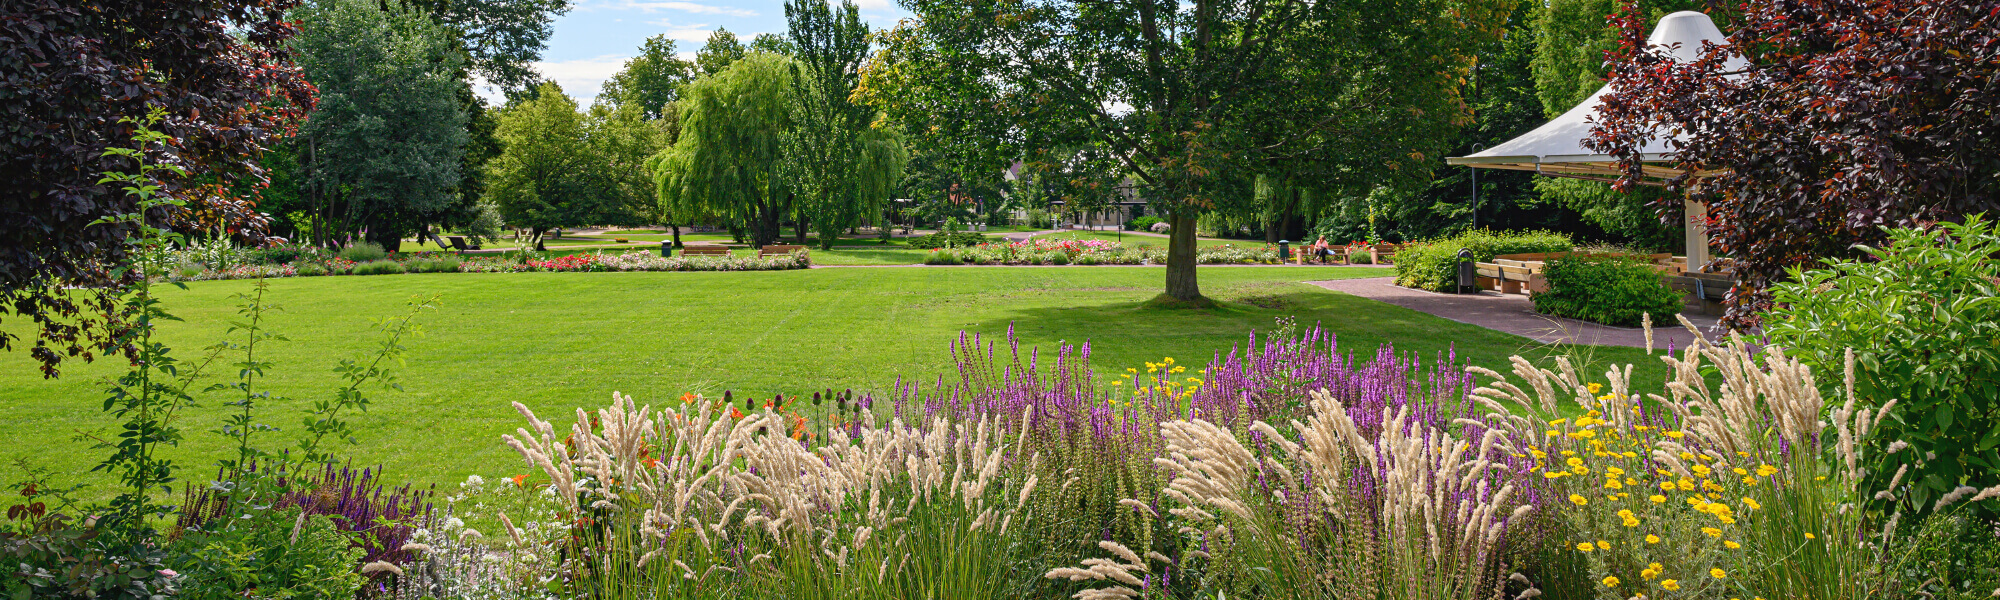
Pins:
<point x="883" y="160"/>
<point x="1284" y="205"/>
<point x="725" y="165"/>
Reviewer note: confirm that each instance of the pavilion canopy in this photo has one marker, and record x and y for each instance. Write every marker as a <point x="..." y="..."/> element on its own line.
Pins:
<point x="1556" y="148"/>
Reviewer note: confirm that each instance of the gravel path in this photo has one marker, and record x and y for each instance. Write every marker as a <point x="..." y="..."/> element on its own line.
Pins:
<point x="1513" y="313"/>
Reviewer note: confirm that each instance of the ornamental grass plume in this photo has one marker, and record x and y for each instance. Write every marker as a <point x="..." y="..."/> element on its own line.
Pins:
<point x="692" y="502"/>
<point x="1410" y="511"/>
<point x="1740" y="477"/>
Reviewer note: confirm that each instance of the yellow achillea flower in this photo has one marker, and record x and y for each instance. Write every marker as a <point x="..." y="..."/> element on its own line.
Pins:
<point x="1766" y="470"/>
<point x="1584" y="547"/>
<point x="1731" y="544"/>
<point x="1578" y="500"/>
<point x="1652" y="539"/>
<point x="1611" y="582"/>
<point x="1574" y="462"/>
<point x="1657" y="499"/>
<point x="1670" y="585"/>
<point x="1810" y="536"/>
<point x="1718" y="573"/>
<point x="1676" y="434"/>
<point x="1752" y="504"/>
<point x="1603" y="545"/>
<point x="1716" y="533"/>
<point x="1651" y="571"/>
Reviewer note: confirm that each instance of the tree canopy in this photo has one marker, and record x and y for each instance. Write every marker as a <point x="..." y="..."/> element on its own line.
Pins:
<point x="1851" y="115"/>
<point x="731" y="141"/>
<point x="547" y="175"/>
<point x="384" y="148"/>
<point x="1196" y="99"/>
<point x="651" y="80"/>
<point x="73" y="79"/>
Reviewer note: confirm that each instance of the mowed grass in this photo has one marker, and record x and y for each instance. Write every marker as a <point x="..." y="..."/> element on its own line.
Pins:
<point x="558" y="341"/>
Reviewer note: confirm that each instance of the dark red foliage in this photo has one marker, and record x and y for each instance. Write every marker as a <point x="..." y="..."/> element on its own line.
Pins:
<point x="1853" y="115"/>
<point x="69" y="72"/>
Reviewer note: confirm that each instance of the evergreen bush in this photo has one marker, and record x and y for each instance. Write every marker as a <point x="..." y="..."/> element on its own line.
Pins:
<point x="1612" y="291"/>
<point x="1433" y="265"/>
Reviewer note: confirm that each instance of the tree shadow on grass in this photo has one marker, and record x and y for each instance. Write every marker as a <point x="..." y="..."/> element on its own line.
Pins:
<point x="1128" y="332"/>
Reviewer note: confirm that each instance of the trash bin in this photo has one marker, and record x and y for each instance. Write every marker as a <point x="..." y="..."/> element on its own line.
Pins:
<point x="1284" y="250"/>
<point x="1466" y="283"/>
<point x="666" y="249"/>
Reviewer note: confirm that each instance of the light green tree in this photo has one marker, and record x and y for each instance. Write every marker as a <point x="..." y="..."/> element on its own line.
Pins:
<point x="651" y="80"/>
<point x="726" y="162"/>
<point x="620" y="141"/>
<point x="547" y="175"/>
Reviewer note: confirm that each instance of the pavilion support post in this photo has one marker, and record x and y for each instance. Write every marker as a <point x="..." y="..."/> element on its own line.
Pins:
<point x="1697" y="234"/>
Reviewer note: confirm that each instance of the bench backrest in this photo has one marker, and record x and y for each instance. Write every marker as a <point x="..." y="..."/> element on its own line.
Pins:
<point x="778" y="249"/>
<point x="704" y="251"/>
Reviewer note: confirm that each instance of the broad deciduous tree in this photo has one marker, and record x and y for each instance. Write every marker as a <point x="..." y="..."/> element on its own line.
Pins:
<point x="384" y="148"/>
<point x="822" y="148"/>
<point x="652" y="80"/>
<point x="1197" y="98"/>
<point x="1850" y="115"/>
<point x="546" y="175"/>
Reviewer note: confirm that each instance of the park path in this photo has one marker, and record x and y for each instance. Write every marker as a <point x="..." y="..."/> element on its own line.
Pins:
<point x="1513" y="313"/>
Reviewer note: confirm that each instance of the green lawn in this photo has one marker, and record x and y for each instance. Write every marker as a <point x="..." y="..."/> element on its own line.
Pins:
<point x="557" y="341"/>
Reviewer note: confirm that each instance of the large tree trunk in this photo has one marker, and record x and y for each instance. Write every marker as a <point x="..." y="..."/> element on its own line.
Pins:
<point x="1181" y="284"/>
<point x="799" y="230"/>
<point x="677" y="236"/>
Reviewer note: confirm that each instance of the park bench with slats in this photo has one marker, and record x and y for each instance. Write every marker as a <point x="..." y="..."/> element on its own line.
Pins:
<point x="705" y="251"/>
<point x="778" y="250"/>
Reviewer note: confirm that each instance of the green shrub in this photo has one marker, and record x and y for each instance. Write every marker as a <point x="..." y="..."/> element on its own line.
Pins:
<point x="79" y="563"/>
<point x="1923" y="319"/>
<point x="363" y="252"/>
<point x="1141" y="224"/>
<point x="947" y="256"/>
<point x="275" y="555"/>
<point x="379" y="267"/>
<point x="1433" y="265"/>
<point x="1612" y="291"/>
<point x="447" y="264"/>
<point x="278" y="255"/>
<point x="948" y="240"/>
<point x="309" y="270"/>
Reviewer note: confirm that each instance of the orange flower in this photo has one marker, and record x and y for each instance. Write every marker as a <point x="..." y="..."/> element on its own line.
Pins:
<point x="735" y="413"/>
<point x="519" y="480"/>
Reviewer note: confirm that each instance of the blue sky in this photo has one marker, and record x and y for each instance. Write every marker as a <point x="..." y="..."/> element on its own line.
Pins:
<point x="594" y="40"/>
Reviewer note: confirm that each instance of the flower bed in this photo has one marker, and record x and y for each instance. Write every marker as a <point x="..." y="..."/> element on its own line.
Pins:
<point x="307" y="266"/>
<point x="1286" y="469"/>
<point x="1089" y="252"/>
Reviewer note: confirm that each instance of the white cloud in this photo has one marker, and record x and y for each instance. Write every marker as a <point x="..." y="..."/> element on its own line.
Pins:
<point x="874" y="4"/>
<point x="582" y="78"/>
<point x="691" y="7"/>
<point x="693" y="34"/>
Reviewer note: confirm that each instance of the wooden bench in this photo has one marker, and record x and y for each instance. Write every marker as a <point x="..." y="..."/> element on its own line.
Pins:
<point x="705" y="251"/>
<point x="1515" y="273"/>
<point x="778" y="250"/>
<point x="1508" y="276"/>
<point x="1383" y="254"/>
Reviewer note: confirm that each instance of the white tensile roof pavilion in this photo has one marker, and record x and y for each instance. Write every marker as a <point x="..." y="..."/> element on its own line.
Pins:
<point x="1556" y="148"/>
